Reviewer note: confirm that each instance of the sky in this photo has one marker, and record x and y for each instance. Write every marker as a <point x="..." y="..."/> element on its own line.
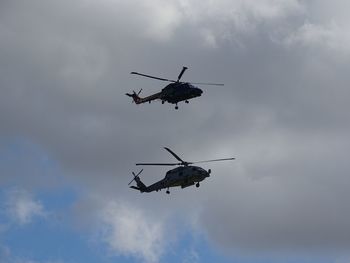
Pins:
<point x="70" y="138"/>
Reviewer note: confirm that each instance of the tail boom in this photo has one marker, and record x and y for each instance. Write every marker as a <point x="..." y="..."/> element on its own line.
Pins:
<point x="135" y="97"/>
<point x="140" y="185"/>
<point x="139" y="100"/>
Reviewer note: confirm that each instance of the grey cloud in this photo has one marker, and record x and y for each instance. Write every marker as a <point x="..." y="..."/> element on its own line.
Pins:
<point x="282" y="111"/>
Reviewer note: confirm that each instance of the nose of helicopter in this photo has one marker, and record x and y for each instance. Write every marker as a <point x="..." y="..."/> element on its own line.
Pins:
<point x="206" y="173"/>
<point x="199" y="91"/>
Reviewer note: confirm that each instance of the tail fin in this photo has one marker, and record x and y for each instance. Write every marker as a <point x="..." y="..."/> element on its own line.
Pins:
<point x="135" y="96"/>
<point x="140" y="185"/>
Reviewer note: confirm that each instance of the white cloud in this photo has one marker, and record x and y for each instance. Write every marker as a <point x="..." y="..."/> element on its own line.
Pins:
<point x="130" y="231"/>
<point x="191" y="256"/>
<point x="22" y="207"/>
<point x="225" y="20"/>
<point x="156" y="19"/>
<point x="6" y="256"/>
<point x="266" y="9"/>
<point x="331" y="36"/>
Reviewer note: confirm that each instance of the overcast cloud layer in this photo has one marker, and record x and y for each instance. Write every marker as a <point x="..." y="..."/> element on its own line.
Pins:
<point x="283" y="113"/>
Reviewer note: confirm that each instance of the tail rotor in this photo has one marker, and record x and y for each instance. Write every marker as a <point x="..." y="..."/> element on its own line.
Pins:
<point x="134" y="96"/>
<point x="136" y="176"/>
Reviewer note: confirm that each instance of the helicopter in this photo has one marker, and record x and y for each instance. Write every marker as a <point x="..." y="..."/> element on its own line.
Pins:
<point x="185" y="175"/>
<point x="173" y="93"/>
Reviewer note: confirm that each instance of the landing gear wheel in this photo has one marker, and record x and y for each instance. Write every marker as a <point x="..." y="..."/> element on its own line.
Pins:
<point x="176" y="107"/>
<point x="197" y="185"/>
<point x="186" y="101"/>
<point x="167" y="191"/>
<point x="162" y="101"/>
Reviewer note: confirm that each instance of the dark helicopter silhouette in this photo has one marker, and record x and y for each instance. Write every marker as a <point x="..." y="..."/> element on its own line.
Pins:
<point x="185" y="175"/>
<point x="172" y="93"/>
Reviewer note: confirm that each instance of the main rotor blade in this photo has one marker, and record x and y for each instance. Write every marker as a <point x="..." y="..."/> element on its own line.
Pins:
<point x="161" y="164"/>
<point x="152" y="77"/>
<point x="174" y="154"/>
<point x="204" y="83"/>
<point x="216" y="160"/>
<point x="181" y="73"/>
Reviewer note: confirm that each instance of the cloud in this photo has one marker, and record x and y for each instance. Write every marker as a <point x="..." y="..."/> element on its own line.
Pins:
<point x="6" y="256"/>
<point x="331" y="36"/>
<point x="191" y="256"/>
<point x="22" y="208"/>
<point x="283" y="112"/>
<point x="130" y="231"/>
<point x="232" y="21"/>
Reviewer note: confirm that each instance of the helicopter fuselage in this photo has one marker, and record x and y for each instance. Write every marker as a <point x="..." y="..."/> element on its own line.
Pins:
<point x="183" y="176"/>
<point x="173" y="93"/>
<point x="178" y="91"/>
